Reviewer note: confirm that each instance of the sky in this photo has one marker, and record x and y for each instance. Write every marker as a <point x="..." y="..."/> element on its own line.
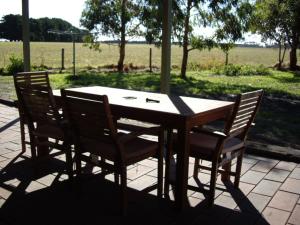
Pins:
<point x="70" y="10"/>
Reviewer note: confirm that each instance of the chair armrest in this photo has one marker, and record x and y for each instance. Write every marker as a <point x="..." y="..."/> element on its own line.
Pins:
<point x="217" y="134"/>
<point x="134" y="134"/>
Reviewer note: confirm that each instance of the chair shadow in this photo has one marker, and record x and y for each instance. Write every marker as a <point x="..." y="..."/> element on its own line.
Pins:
<point x="87" y="200"/>
<point x="245" y="213"/>
<point x="95" y="200"/>
<point x="9" y="124"/>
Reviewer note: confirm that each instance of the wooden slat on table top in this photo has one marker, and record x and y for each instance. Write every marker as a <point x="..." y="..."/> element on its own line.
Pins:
<point x="169" y="104"/>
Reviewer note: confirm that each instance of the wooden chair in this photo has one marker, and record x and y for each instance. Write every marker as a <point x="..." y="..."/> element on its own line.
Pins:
<point x="221" y="147"/>
<point x="34" y="78"/>
<point x="95" y="132"/>
<point x="38" y="110"/>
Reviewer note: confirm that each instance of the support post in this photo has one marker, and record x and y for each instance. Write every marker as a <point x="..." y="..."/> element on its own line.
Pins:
<point x="166" y="47"/>
<point x="73" y="56"/>
<point x="62" y="59"/>
<point x="26" y="37"/>
<point x="150" y="60"/>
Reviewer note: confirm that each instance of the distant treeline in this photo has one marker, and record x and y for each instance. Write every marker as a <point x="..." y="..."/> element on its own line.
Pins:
<point x="11" y="29"/>
<point x="177" y="43"/>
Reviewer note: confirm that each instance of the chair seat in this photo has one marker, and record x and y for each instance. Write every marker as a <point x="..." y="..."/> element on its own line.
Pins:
<point x="203" y="145"/>
<point x="135" y="150"/>
<point x="49" y="131"/>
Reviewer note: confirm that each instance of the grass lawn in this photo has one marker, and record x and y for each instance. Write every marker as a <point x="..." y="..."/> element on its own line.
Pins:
<point x="280" y="84"/>
<point x="278" y="119"/>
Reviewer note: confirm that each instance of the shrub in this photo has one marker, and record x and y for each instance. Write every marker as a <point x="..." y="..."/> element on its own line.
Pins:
<point x="1" y="70"/>
<point x="16" y="65"/>
<point x="239" y="70"/>
<point x="193" y="66"/>
<point x="261" y="70"/>
<point x="40" y="67"/>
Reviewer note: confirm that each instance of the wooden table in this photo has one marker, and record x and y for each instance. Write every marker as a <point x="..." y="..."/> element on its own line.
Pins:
<point x="181" y="113"/>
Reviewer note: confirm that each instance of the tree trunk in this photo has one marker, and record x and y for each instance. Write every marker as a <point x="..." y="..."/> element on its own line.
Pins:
<point x="185" y="53"/>
<point x="293" y="53"/>
<point x="26" y="35"/>
<point x="283" y="54"/>
<point x="122" y="44"/>
<point x="279" y="57"/>
<point x="226" y="59"/>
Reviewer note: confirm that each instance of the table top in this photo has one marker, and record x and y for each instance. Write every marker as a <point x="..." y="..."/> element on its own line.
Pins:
<point x="156" y="102"/>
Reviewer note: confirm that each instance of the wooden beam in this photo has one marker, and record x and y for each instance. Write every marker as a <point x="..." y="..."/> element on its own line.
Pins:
<point x="26" y="37"/>
<point x="166" y="47"/>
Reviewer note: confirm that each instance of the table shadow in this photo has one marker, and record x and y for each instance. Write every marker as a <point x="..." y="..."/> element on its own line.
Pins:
<point x="95" y="200"/>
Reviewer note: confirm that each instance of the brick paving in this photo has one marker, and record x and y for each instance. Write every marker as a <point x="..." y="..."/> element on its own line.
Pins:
<point x="268" y="194"/>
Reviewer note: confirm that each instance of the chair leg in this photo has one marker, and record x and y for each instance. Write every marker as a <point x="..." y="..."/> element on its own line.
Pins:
<point x="69" y="161"/>
<point x="213" y="180"/>
<point x="160" y="168"/>
<point x="238" y="169"/>
<point x="103" y="171"/>
<point x="78" y="162"/>
<point x="196" y="167"/>
<point x="225" y="176"/>
<point x="116" y="177"/>
<point x="33" y="147"/>
<point x="124" y="190"/>
<point x="168" y="161"/>
<point x="22" y="129"/>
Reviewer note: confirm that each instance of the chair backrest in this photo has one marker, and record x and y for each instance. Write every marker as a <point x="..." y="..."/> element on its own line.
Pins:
<point x="244" y="111"/>
<point x="35" y="98"/>
<point x="89" y="116"/>
<point x="30" y="79"/>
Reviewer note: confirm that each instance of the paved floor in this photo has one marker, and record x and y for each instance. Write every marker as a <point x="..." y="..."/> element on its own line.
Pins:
<point x="269" y="192"/>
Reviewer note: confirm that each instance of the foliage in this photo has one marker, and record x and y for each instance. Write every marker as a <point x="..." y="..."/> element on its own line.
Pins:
<point x="11" y="29"/>
<point x="231" y="20"/>
<point x="200" y="43"/>
<point x="229" y="17"/>
<point x="226" y="47"/>
<point x="16" y="65"/>
<point x="114" y="18"/>
<point x="91" y="42"/>
<point x="41" y="67"/>
<point x="151" y="18"/>
<point x="278" y="21"/>
<point x="241" y="70"/>
<point x="208" y="65"/>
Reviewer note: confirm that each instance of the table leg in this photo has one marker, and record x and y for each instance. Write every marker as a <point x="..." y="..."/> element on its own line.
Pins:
<point x="43" y="150"/>
<point x="182" y="167"/>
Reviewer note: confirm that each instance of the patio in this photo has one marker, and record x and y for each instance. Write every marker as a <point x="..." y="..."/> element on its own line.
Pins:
<point x="269" y="192"/>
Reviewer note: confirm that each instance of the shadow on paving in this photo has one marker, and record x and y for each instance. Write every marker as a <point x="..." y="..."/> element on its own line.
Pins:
<point x="94" y="200"/>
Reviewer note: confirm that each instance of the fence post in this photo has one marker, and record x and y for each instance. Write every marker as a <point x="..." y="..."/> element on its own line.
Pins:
<point x="150" y="60"/>
<point x="73" y="55"/>
<point x="62" y="59"/>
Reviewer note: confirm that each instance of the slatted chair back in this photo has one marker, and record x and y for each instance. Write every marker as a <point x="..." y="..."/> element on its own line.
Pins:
<point x="244" y="112"/>
<point x="36" y="98"/>
<point x="29" y="79"/>
<point x="89" y="115"/>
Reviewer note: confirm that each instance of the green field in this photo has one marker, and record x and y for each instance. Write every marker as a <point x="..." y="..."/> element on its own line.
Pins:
<point x="49" y="54"/>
